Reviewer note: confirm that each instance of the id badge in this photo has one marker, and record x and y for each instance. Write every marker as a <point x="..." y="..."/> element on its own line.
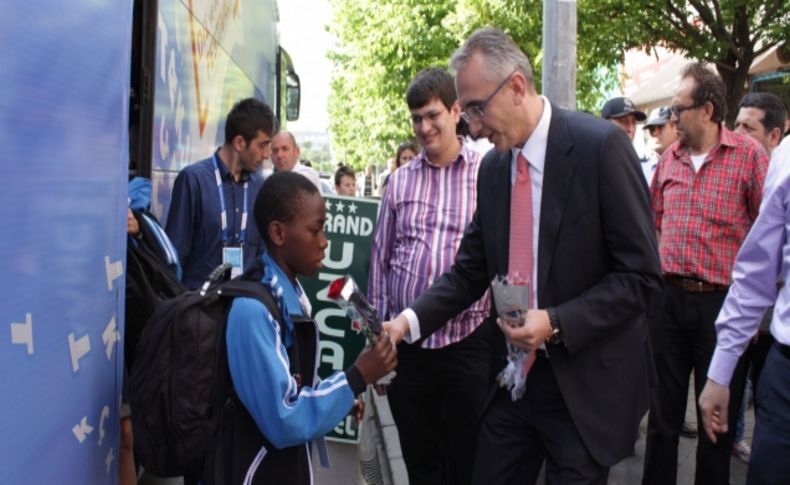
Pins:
<point x="235" y="257"/>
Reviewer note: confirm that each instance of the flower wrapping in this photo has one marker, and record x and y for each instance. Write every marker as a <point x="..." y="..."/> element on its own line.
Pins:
<point x="512" y="297"/>
<point x="364" y="317"/>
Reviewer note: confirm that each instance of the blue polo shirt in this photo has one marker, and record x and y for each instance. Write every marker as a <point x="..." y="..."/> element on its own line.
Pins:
<point x="194" y="221"/>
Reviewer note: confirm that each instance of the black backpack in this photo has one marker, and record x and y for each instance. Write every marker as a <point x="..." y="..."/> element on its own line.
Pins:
<point x="149" y="282"/>
<point x="180" y="381"/>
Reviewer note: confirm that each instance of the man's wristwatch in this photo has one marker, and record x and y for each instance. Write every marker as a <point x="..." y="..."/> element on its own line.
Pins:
<point x="555" y="337"/>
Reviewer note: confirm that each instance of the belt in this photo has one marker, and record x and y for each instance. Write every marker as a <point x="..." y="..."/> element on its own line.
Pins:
<point x="783" y="349"/>
<point x="691" y="285"/>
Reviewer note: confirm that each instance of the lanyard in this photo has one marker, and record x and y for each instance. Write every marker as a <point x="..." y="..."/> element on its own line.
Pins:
<point x="223" y="212"/>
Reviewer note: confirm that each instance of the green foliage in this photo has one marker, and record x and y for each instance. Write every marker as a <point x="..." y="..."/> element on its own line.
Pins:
<point x="318" y="154"/>
<point x="727" y="33"/>
<point x="382" y="44"/>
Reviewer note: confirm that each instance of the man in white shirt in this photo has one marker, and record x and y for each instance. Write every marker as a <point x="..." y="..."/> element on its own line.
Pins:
<point x="285" y="157"/>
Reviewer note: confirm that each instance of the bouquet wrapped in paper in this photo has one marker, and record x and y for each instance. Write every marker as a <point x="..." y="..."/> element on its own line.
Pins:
<point x="364" y="317"/>
<point x="512" y="297"/>
<point x="345" y="293"/>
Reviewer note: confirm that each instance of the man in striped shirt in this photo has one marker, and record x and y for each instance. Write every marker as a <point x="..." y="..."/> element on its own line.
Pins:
<point x="441" y="383"/>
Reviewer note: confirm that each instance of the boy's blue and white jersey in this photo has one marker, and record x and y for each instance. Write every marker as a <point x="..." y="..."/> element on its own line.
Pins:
<point x="260" y="370"/>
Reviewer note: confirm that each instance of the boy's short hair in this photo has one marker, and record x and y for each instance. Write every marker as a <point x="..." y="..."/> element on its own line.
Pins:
<point x="430" y="83"/>
<point x="279" y="199"/>
<point x="343" y="171"/>
<point x="247" y="118"/>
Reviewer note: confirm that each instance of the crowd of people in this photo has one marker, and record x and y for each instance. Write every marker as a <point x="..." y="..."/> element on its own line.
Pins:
<point x="658" y="259"/>
<point x="639" y="273"/>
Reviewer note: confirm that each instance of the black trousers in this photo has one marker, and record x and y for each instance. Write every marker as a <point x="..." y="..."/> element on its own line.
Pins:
<point x="770" y="459"/>
<point x="517" y="437"/>
<point x="436" y="401"/>
<point x="756" y="354"/>
<point x="684" y="339"/>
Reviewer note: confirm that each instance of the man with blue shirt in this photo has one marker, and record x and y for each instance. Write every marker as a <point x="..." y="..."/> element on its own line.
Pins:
<point x="763" y="260"/>
<point x="210" y="221"/>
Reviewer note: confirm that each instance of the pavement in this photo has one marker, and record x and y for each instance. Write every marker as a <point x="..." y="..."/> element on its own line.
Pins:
<point x="391" y="470"/>
<point x="627" y="472"/>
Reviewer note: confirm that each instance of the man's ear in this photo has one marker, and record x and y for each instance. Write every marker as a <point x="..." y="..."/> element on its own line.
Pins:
<point x="774" y="137"/>
<point x="455" y="111"/>
<point x="239" y="144"/>
<point x="707" y="106"/>
<point x="277" y="233"/>
<point x="518" y="82"/>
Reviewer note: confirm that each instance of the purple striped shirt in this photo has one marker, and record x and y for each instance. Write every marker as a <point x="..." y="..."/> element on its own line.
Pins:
<point x="424" y="212"/>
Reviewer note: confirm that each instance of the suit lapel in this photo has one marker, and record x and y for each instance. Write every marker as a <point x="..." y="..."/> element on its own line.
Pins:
<point x="502" y="188"/>
<point x="557" y="177"/>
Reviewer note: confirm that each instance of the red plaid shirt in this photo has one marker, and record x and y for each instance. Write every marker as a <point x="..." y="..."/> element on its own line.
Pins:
<point x="703" y="217"/>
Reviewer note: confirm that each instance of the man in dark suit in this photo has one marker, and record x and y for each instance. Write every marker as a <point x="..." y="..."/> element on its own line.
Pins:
<point x="595" y="266"/>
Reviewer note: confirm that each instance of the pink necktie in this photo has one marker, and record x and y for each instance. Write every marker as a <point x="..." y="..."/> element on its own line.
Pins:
<point x="520" y="253"/>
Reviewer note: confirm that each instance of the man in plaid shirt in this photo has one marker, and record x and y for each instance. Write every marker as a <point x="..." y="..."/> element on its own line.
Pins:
<point x="706" y="193"/>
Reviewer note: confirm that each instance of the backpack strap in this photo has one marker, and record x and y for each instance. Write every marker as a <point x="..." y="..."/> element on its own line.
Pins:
<point x="226" y="399"/>
<point x="252" y="289"/>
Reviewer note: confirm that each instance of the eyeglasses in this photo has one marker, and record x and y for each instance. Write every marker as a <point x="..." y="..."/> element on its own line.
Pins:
<point x="431" y="116"/>
<point x="678" y="110"/>
<point x="476" y="112"/>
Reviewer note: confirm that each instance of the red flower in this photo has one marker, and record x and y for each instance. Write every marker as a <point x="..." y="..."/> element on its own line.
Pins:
<point x="336" y="287"/>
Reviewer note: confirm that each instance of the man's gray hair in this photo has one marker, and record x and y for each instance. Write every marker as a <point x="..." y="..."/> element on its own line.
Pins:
<point x="501" y="55"/>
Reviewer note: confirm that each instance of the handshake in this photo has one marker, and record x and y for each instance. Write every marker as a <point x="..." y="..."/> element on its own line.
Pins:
<point x="380" y="359"/>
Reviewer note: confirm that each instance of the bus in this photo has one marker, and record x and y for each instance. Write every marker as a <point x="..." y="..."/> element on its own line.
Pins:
<point x="91" y="93"/>
<point x="191" y="60"/>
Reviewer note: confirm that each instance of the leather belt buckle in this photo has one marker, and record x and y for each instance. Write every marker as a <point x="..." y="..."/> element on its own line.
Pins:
<point x="693" y="285"/>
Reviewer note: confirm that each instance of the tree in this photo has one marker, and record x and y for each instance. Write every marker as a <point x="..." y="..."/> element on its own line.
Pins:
<point x="382" y="44"/>
<point x="727" y="33"/>
<point x="318" y="154"/>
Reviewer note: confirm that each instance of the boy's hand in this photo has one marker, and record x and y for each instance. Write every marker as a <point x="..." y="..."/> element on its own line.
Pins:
<point x="358" y="410"/>
<point x="377" y="361"/>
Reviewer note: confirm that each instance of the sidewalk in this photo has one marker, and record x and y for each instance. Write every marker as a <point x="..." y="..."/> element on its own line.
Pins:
<point x="627" y="472"/>
<point x="345" y="469"/>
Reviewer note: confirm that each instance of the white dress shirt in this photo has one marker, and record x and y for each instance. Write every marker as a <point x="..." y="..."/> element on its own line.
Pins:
<point x="308" y="172"/>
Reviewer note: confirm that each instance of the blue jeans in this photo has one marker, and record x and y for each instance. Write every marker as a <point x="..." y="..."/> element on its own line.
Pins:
<point x="740" y="427"/>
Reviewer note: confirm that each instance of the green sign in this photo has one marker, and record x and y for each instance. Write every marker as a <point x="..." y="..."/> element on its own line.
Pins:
<point x="349" y="229"/>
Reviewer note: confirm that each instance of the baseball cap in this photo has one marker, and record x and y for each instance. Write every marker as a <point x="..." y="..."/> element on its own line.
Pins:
<point x="658" y="117"/>
<point x="620" y="106"/>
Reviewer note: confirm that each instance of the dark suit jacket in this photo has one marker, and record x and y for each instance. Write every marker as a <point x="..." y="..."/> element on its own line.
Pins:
<point x="598" y="267"/>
